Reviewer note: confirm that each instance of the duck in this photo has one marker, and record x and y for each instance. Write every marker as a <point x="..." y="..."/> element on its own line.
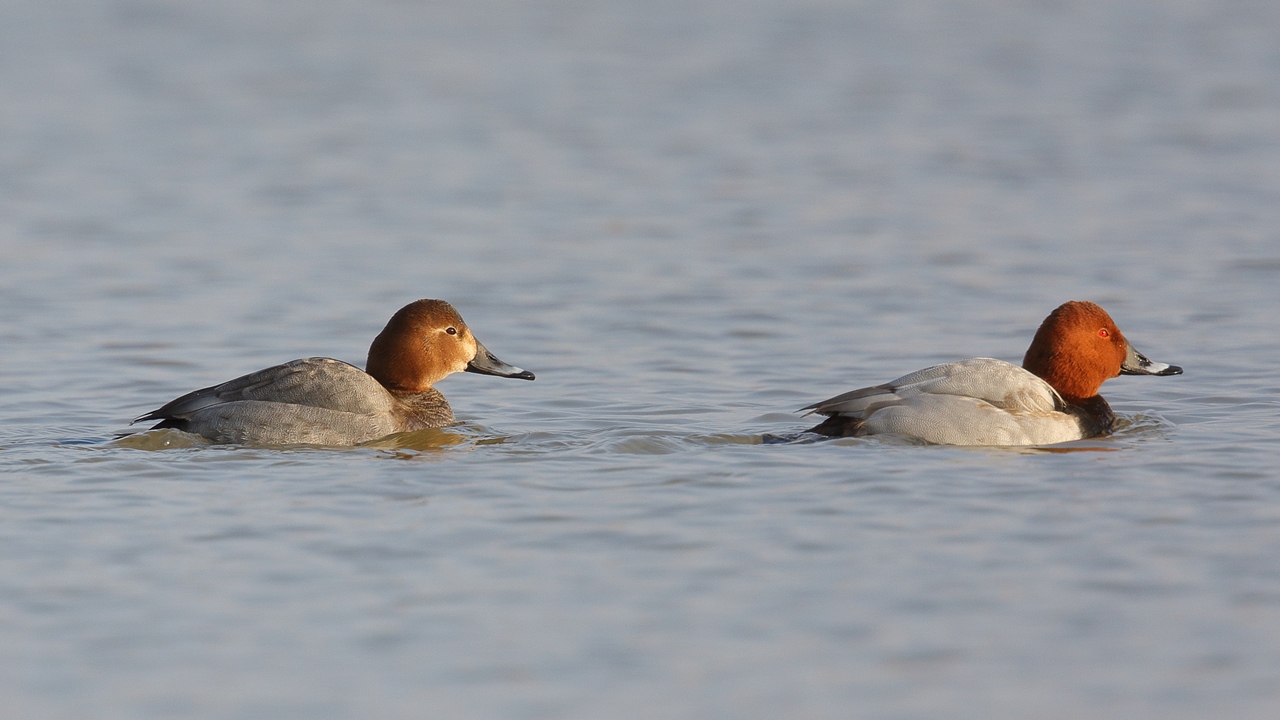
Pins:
<point x="1052" y="398"/>
<point x="322" y="401"/>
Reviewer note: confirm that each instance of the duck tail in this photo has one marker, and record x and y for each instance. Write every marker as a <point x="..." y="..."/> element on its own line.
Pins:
<point x="838" y="426"/>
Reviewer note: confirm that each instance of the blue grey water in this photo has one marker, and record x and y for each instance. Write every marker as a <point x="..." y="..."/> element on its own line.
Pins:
<point x="689" y="219"/>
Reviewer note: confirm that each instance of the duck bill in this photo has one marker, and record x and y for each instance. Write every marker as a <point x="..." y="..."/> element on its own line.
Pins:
<point x="1135" y="363"/>
<point x="486" y="364"/>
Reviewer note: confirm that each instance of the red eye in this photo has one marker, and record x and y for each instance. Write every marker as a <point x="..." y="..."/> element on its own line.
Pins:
<point x="1103" y="333"/>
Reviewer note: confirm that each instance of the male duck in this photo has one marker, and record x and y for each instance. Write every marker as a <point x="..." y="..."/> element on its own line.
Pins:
<point x="1052" y="398"/>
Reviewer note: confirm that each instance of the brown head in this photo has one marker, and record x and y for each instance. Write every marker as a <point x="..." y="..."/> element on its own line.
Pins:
<point x="1078" y="347"/>
<point x="424" y="342"/>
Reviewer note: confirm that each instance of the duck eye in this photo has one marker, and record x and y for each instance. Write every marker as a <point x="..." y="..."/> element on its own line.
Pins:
<point x="1104" y="333"/>
<point x="454" y="331"/>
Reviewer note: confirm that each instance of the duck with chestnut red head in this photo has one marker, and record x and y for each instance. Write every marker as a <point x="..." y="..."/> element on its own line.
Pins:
<point x="1052" y="398"/>
<point x="322" y="401"/>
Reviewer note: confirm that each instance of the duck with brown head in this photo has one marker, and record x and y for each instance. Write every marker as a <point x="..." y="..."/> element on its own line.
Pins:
<point x="1052" y="398"/>
<point x="322" y="401"/>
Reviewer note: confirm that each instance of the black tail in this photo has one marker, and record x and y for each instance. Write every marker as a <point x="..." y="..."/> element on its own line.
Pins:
<point x="838" y="426"/>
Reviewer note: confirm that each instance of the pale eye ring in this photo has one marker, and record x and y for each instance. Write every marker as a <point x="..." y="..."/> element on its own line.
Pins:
<point x="1104" y="333"/>
<point x="451" y="330"/>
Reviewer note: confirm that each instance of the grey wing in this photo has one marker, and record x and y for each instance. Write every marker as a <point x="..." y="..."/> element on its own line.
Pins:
<point x="999" y="383"/>
<point x="316" y="382"/>
<point x="854" y="402"/>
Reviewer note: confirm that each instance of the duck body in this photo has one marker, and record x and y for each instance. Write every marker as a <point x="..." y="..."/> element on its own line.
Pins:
<point x="315" y="401"/>
<point x="1052" y="398"/>
<point x="322" y="401"/>
<point x="979" y="401"/>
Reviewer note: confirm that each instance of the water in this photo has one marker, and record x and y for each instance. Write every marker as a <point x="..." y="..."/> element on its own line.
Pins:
<point x="689" y="219"/>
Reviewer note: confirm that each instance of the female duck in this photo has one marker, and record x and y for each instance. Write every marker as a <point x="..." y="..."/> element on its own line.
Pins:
<point x="321" y="401"/>
<point x="1052" y="398"/>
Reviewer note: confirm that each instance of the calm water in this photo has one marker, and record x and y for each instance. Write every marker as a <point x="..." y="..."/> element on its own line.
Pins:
<point x="689" y="219"/>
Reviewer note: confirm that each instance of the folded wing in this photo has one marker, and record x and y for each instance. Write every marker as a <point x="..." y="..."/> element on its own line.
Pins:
<point x="317" y="382"/>
<point x="1003" y="385"/>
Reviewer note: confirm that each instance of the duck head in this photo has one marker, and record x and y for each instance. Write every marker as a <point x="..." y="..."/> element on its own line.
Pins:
<point x="1078" y="347"/>
<point x="426" y="341"/>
